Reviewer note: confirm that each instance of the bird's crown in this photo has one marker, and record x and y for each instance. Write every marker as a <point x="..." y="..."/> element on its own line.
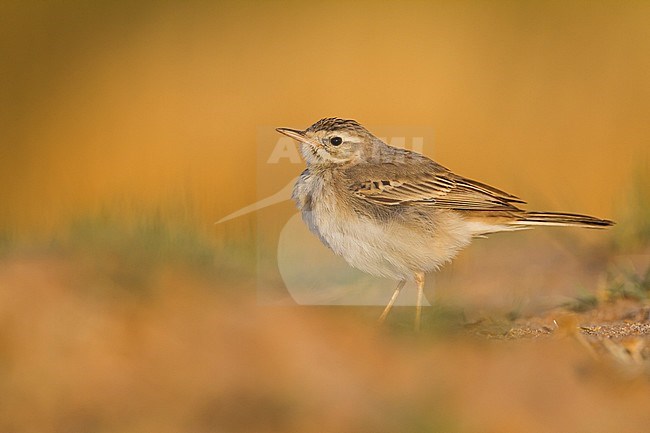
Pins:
<point x="331" y="124"/>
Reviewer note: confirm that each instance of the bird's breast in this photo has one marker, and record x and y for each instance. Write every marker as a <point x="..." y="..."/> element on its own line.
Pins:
<point x="387" y="244"/>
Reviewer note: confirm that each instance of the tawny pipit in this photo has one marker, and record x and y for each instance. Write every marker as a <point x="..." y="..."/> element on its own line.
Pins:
<point x="395" y="213"/>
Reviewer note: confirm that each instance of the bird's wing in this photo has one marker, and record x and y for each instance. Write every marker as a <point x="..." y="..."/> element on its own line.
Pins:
<point x="428" y="183"/>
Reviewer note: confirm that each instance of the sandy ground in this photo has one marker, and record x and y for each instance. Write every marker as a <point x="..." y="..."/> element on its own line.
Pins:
<point x="177" y="352"/>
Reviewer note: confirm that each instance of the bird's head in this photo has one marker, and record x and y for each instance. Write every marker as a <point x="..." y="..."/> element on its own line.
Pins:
<point x="333" y="141"/>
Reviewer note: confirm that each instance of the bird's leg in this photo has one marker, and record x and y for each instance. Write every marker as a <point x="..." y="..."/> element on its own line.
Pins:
<point x="399" y="287"/>
<point x="419" y="279"/>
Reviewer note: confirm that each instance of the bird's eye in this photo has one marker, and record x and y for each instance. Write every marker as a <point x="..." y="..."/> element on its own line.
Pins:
<point x="335" y="141"/>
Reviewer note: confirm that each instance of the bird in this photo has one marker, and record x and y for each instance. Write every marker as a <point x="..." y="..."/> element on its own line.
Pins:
<point x="395" y="213"/>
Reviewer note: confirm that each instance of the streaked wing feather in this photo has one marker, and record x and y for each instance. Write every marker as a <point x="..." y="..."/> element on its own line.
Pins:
<point x="435" y="186"/>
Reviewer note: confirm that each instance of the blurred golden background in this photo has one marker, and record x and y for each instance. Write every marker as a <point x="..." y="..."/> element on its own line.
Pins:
<point x="152" y="104"/>
<point x="128" y="128"/>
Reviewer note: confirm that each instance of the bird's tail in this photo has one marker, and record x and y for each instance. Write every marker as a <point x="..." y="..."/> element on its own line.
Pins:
<point x="562" y="219"/>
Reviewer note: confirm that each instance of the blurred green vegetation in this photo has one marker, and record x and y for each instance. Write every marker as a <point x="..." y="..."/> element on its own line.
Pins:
<point x="620" y="283"/>
<point x="132" y="251"/>
<point x="629" y="284"/>
<point x="585" y="302"/>
<point x="633" y="228"/>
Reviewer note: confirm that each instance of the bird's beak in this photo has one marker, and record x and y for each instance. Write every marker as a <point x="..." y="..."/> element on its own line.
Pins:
<point x="293" y="133"/>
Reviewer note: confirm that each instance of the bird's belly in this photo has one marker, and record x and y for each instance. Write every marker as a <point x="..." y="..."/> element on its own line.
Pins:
<point x="389" y="249"/>
<point x="364" y="246"/>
